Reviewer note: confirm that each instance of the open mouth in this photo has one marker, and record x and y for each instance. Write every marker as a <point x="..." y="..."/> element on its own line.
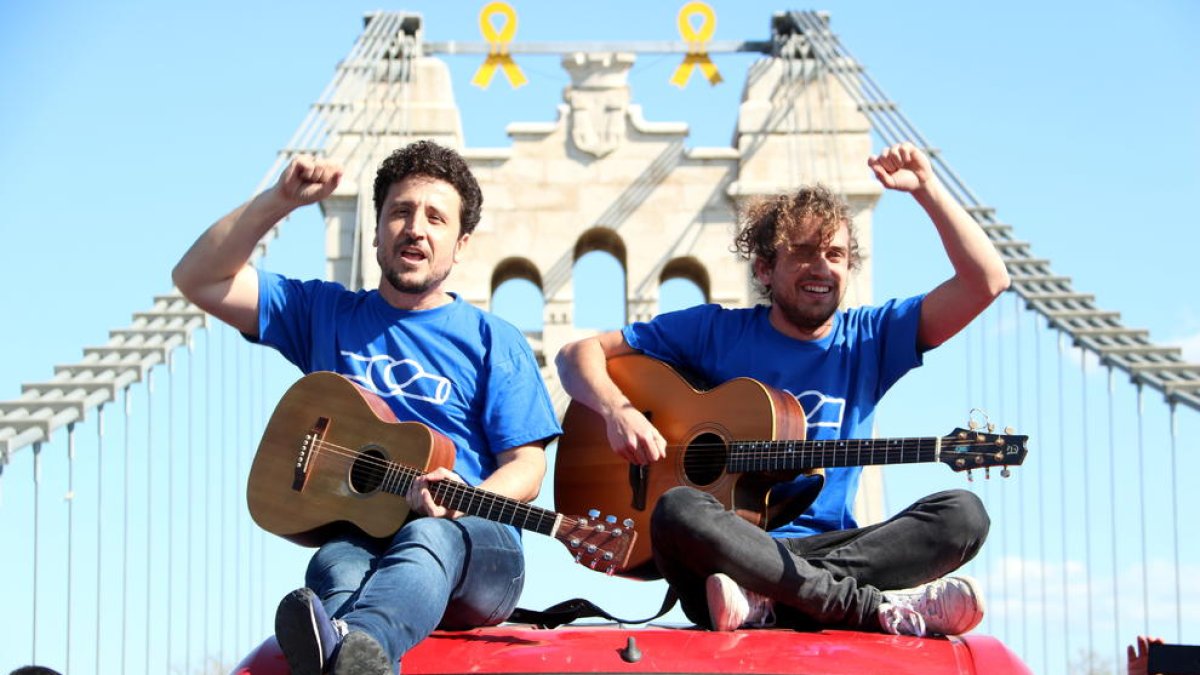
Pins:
<point x="412" y="254"/>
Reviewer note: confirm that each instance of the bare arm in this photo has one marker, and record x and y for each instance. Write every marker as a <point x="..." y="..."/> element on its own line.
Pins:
<point x="518" y="475"/>
<point x="214" y="273"/>
<point x="583" y="369"/>
<point x="979" y="272"/>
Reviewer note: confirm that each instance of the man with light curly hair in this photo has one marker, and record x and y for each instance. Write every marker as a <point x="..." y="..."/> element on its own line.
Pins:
<point x="820" y="569"/>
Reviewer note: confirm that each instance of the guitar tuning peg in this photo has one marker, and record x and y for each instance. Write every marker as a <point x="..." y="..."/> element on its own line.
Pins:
<point x="610" y="519"/>
<point x="609" y="570"/>
<point x="1009" y="431"/>
<point x="972" y="424"/>
<point x="628" y="523"/>
<point x="1005" y="473"/>
<point x="970" y="476"/>
<point x="991" y="427"/>
<point x="593" y="513"/>
<point x="987" y="473"/>
<point x="616" y="532"/>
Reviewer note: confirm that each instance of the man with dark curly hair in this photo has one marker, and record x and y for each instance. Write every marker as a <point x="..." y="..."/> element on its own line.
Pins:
<point x="434" y="359"/>
<point x="820" y="569"/>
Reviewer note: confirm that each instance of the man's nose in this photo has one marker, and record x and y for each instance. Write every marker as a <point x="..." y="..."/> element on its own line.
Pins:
<point x="415" y="225"/>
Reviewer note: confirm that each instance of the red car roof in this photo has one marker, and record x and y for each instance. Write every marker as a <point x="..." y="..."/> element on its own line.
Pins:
<point x="517" y="650"/>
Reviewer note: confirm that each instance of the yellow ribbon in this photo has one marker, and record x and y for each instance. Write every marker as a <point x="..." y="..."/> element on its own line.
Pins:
<point x="498" y="46"/>
<point x="696" y="39"/>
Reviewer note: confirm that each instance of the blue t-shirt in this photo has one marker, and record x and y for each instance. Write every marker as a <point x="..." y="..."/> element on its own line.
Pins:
<point x="455" y="368"/>
<point x="837" y="379"/>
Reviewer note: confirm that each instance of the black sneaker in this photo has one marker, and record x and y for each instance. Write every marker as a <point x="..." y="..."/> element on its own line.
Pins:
<point x="361" y="654"/>
<point x="305" y="633"/>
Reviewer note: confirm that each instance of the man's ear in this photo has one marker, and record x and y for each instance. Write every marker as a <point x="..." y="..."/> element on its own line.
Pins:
<point x="762" y="271"/>
<point x="460" y="245"/>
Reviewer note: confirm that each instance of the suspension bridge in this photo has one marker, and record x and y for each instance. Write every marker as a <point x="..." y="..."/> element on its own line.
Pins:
<point x="150" y="563"/>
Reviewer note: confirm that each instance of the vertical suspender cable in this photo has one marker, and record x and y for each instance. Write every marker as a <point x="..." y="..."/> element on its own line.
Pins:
<point x="170" y="530"/>
<point x="206" y="568"/>
<point x="1002" y="413"/>
<point x="1112" y="514"/>
<point x="1141" y="442"/>
<point x="125" y="541"/>
<point x="37" y="507"/>
<point x="223" y="530"/>
<point x="149" y="504"/>
<point x="983" y="399"/>
<point x="1041" y="520"/>
<point x="239" y="566"/>
<point x="70" y="535"/>
<point x="1062" y="494"/>
<point x="1016" y="305"/>
<point x="99" y="526"/>
<point x="1175" y="521"/>
<point x="262" y="535"/>
<point x="1087" y="500"/>
<point x="189" y="510"/>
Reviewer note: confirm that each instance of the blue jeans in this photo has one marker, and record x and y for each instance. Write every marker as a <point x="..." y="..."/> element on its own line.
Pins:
<point x="435" y="572"/>
<point x="829" y="580"/>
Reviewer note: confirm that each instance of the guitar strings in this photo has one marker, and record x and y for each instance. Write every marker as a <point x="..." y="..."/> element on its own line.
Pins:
<point x="703" y="455"/>
<point x="714" y="455"/>
<point x="462" y="494"/>
<point x="574" y="531"/>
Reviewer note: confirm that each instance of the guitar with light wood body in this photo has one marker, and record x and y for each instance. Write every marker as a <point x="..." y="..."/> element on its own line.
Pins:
<point x="334" y="456"/>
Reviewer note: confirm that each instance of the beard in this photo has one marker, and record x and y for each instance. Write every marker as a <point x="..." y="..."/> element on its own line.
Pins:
<point x="414" y="284"/>
<point x="807" y="318"/>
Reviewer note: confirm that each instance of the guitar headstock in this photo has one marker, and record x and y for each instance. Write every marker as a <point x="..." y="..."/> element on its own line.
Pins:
<point x="600" y="544"/>
<point x="969" y="449"/>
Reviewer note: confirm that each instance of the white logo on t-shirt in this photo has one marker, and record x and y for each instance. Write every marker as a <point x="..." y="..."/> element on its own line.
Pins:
<point x="404" y="377"/>
<point x="821" y="410"/>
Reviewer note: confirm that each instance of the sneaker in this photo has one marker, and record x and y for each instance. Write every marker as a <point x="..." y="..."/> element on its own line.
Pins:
<point x="947" y="606"/>
<point x="306" y="635"/>
<point x="361" y="654"/>
<point x="731" y="607"/>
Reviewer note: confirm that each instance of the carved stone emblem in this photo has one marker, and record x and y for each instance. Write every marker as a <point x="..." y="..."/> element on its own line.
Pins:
<point x="598" y="100"/>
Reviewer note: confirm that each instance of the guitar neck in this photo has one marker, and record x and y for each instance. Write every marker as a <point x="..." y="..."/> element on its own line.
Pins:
<point x="475" y="501"/>
<point x="745" y="456"/>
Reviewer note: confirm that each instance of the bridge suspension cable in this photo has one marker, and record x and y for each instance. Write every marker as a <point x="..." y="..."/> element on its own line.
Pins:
<point x="806" y="34"/>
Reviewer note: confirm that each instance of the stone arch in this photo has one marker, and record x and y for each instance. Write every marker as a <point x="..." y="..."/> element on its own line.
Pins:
<point x="515" y="267"/>
<point x="602" y="239"/>
<point x="690" y="268"/>
<point x="605" y="299"/>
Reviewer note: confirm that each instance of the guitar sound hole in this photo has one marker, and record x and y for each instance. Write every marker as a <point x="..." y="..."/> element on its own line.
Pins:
<point x="704" y="459"/>
<point x="368" y="471"/>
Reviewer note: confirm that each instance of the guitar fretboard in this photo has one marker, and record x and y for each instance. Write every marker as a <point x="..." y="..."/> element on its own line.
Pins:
<point x="397" y="479"/>
<point x="798" y="455"/>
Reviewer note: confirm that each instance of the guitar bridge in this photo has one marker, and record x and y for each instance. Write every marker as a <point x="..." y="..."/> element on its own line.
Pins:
<point x="308" y="450"/>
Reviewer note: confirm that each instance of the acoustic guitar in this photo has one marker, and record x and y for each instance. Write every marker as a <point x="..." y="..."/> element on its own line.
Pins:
<point x="334" y="456"/>
<point x="742" y="442"/>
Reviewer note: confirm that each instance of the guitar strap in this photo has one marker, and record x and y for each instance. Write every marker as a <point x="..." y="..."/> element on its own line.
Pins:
<point x="568" y="611"/>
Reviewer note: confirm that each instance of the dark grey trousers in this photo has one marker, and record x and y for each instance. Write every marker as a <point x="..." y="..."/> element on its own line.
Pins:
<point x="833" y="579"/>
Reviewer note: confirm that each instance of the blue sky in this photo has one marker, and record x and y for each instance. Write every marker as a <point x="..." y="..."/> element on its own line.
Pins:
<point x="128" y="127"/>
